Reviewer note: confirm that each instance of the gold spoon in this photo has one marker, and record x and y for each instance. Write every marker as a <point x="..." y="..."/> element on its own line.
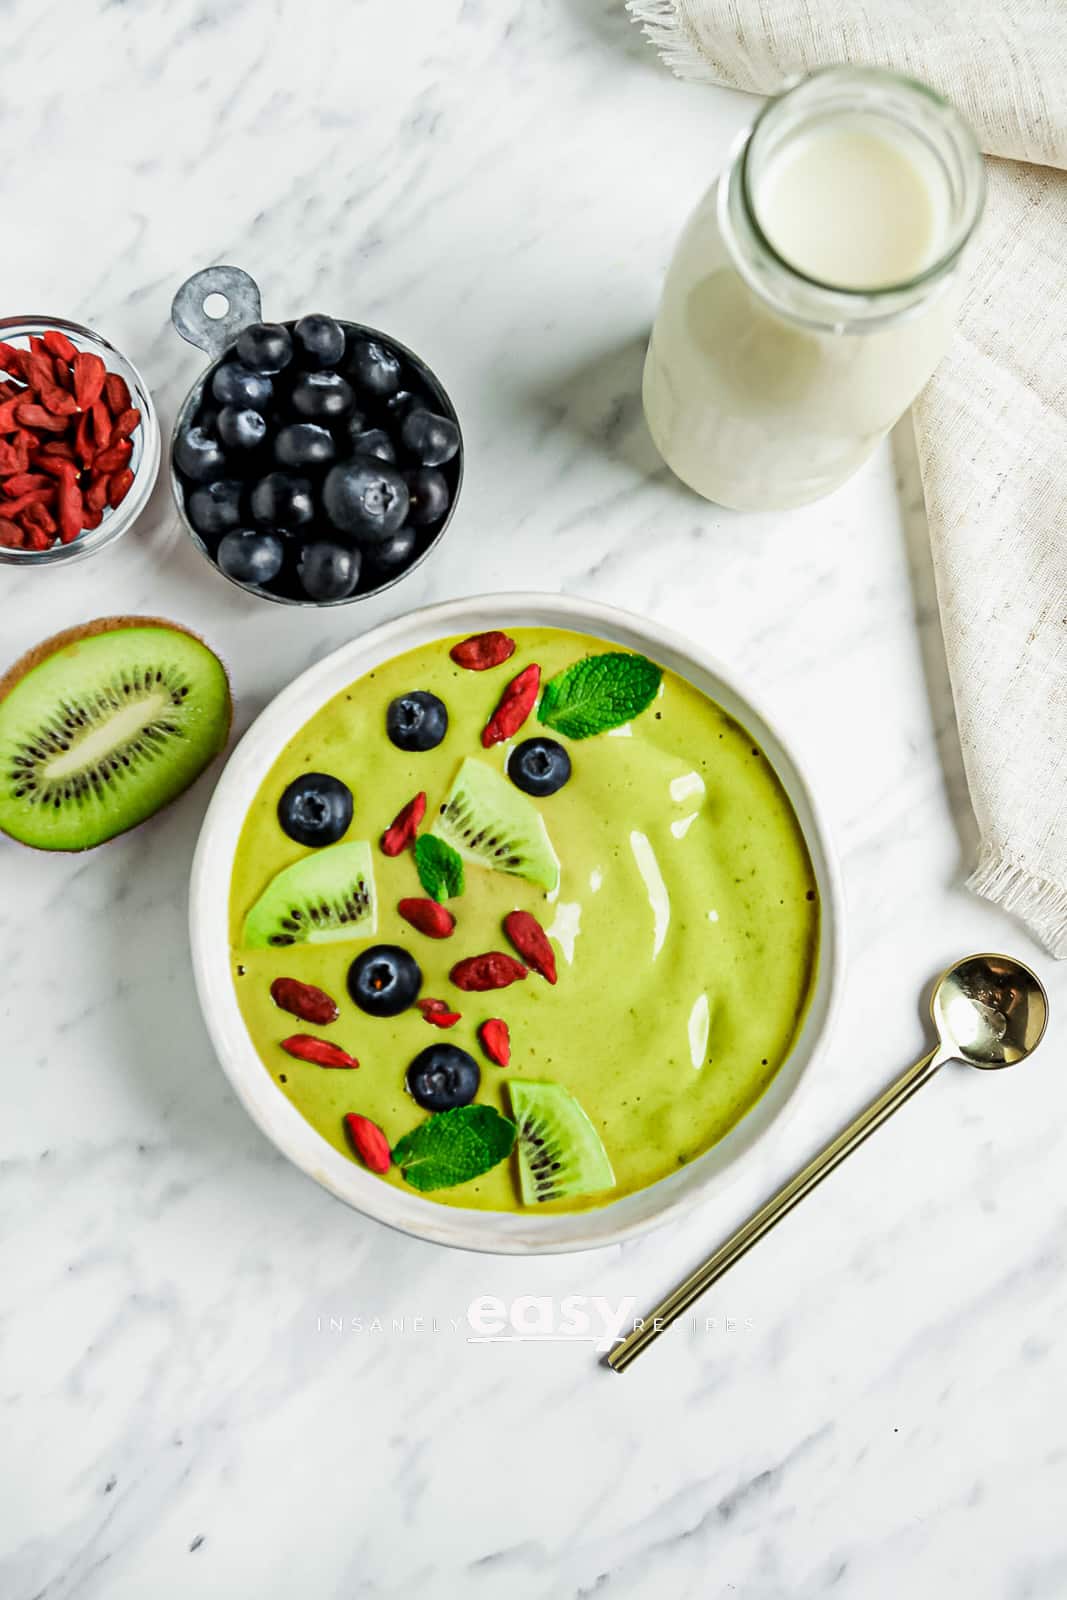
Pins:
<point x="989" y="1011"/>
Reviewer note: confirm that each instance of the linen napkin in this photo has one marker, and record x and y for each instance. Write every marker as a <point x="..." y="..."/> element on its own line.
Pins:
<point x="991" y="424"/>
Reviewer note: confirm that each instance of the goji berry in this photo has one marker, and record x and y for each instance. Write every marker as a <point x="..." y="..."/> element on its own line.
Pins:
<point x="305" y="1047"/>
<point x="304" y="1000"/>
<point x="114" y="458"/>
<point x="38" y="516"/>
<point x="483" y="650"/>
<point x="496" y="1040"/>
<point x="58" y="344"/>
<point x="11" y="535"/>
<point x="19" y="482"/>
<point x="36" y="537"/>
<point x="434" y="920"/>
<point x="35" y="416"/>
<point x="494" y="970"/>
<point x="119" y="486"/>
<point x="371" y="1145"/>
<point x="55" y="466"/>
<point x="61" y="448"/>
<point x="56" y="400"/>
<point x="531" y="941"/>
<point x="71" y="509"/>
<point x="127" y="422"/>
<point x="96" y="495"/>
<point x="514" y="706"/>
<point x="101" y="424"/>
<point x="404" y="826"/>
<point x="10" y="358"/>
<point x="14" y="508"/>
<point x="83" y="444"/>
<point x="437" y="1013"/>
<point x="9" y="422"/>
<point x="89" y="374"/>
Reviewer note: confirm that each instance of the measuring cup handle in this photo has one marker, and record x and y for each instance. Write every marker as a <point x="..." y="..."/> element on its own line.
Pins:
<point x="216" y="334"/>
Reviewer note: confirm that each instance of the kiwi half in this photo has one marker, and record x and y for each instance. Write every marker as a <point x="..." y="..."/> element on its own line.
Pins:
<point x="560" y="1152"/>
<point x="102" y="726"/>
<point x="493" y="824"/>
<point x="322" y="897"/>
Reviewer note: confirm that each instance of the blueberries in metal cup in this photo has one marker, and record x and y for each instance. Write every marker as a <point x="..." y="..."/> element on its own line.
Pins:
<point x="428" y="490"/>
<point x="253" y="558"/>
<point x="265" y="347"/>
<point x="321" y="396"/>
<point x="430" y="439"/>
<point x="199" y="455"/>
<point x="234" y="385"/>
<point x="215" y="508"/>
<point x="304" y="444"/>
<point x="416" y="721"/>
<point x="375" y="369"/>
<point x="319" y="341"/>
<point x="366" y="498"/>
<point x="394" y="553"/>
<point x="373" y="442"/>
<point x="242" y="430"/>
<point x="281" y="500"/>
<point x="328" y="571"/>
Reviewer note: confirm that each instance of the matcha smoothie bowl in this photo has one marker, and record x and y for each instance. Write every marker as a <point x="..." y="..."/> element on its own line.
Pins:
<point x="514" y="924"/>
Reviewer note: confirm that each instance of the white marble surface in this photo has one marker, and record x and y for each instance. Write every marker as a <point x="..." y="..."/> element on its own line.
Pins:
<point x="498" y="182"/>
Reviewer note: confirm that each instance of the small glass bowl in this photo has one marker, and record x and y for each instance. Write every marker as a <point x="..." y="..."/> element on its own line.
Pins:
<point x="144" y="462"/>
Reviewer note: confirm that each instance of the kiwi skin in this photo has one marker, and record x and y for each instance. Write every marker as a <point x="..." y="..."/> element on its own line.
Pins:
<point x="89" y="630"/>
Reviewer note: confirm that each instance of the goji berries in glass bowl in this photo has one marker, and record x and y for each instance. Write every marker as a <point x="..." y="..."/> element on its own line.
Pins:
<point x="79" y="441"/>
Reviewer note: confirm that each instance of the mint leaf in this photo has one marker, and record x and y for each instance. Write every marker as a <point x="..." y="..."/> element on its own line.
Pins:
<point x="454" y="1146"/>
<point x="598" y="693"/>
<point x="440" y="867"/>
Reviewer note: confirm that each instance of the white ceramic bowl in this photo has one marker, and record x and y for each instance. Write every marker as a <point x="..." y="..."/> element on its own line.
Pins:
<point x="509" y="1233"/>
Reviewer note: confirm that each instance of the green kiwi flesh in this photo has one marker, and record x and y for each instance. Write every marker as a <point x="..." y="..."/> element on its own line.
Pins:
<point x="560" y="1152"/>
<point x="322" y="897"/>
<point x="102" y="726"/>
<point x="493" y="824"/>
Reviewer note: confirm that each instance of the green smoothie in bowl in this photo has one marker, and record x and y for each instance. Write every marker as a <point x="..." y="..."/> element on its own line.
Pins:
<point x="522" y="922"/>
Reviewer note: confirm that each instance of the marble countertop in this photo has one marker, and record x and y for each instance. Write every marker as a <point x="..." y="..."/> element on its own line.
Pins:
<point x="216" y="1380"/>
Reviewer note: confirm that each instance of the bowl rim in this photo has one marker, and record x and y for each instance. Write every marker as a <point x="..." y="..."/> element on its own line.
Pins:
<point x="146" y="472"/>
<point x="490" y="1231"/>
<point x="446" y="406"/>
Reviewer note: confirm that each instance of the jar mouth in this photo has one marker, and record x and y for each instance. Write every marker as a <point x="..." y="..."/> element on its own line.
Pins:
<point x="940" y="136"/>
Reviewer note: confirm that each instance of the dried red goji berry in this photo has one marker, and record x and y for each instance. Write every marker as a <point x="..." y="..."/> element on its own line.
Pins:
<point x="483" y="650"/>
<point x="127" y="422"/>
<point x="371" y="1145"/>
<point x="438" y="1013"/>
<point x="38" y="516"/>
<point x="10" y="358"/>
<point x="37" y="370"/>
<point x="57" y="400"/>
<point x="14" y="508"/>
<point x="83" y="444"/>
<point x="114" y="458"/>
<point x="514" y="707"/>
<point x="71" y="509"/>
<point x="434" y="920"/>
<point x="404" y="826"/>
<point x="496" y="1040"/>
<point x="531" y="941"/>
<point x="9" y="422"/>
<point x="89" y="374"/>
<point x="60" y="448"/>
<point x="91" y="520"/>
<point x="58" y="344"/>
<point x="494" y="970"/>
<point x="14" y="456"/>
<point x="119" y="486"/>
<point x="55" y="466"/>
<point x="62" y="374"/>
<point x="305" y="1047"/>
<point x="37" y="345"/>
<point x="11" y="391"/>
<point x="36" y="537"/>
<point x="101" y="424"/>
<point x="21" y="482"/>
<point x="35" y="416"/>
<point x="96" y="495"/>
<point x="11" y="535"/>
<point x="304" y="1000"/>
<point x="116" y="393"/>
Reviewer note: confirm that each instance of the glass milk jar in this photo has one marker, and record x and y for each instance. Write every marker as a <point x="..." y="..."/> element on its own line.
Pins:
<point x="813" y="290"/>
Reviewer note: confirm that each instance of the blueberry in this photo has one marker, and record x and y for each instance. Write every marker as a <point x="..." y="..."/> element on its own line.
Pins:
<point x="375" y="369"/>
<point x="429" y="495"/>
<point x="443" y="1076"/>
<point x="431" y="439"/>
<point x="242" y="430"/>
<point x="319" y="341"/>
<point x="281" y="500"/>
<point x="539" y="766"/>
<point x="396" y="405"/>
<point x="321" y="395"/>
<point x="366" y="498"/>
<point x="249" y="557"/>
<point x="384" y="980"/>
<point x="393" y="553"/>
<point x="234" y="385"/>
<point x="304" y="444"/>
<point x="328" y="571"/>
<point x="199" y="456"/>
<point x="215" y="508"/>
<point x="416" y="721"/>
<point x="315" y="809"/>
<point x="372" y="442"/>
<point x="264" y="347"/>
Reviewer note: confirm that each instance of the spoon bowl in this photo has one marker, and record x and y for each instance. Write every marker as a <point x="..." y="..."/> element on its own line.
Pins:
<point x="989" y="1011"/>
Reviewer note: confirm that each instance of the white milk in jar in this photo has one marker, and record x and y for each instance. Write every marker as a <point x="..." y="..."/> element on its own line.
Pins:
<point x="813" y="290"/>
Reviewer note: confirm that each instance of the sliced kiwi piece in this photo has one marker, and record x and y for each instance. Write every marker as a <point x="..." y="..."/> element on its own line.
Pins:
<point x="560" y="1152"/>
<point x="320" y="898"/>
<point x="103" y="725"/>
<point x="492" y="824"/>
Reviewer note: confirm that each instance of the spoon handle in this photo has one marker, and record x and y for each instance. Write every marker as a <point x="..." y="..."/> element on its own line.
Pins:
<point x="764" y="1219"/>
